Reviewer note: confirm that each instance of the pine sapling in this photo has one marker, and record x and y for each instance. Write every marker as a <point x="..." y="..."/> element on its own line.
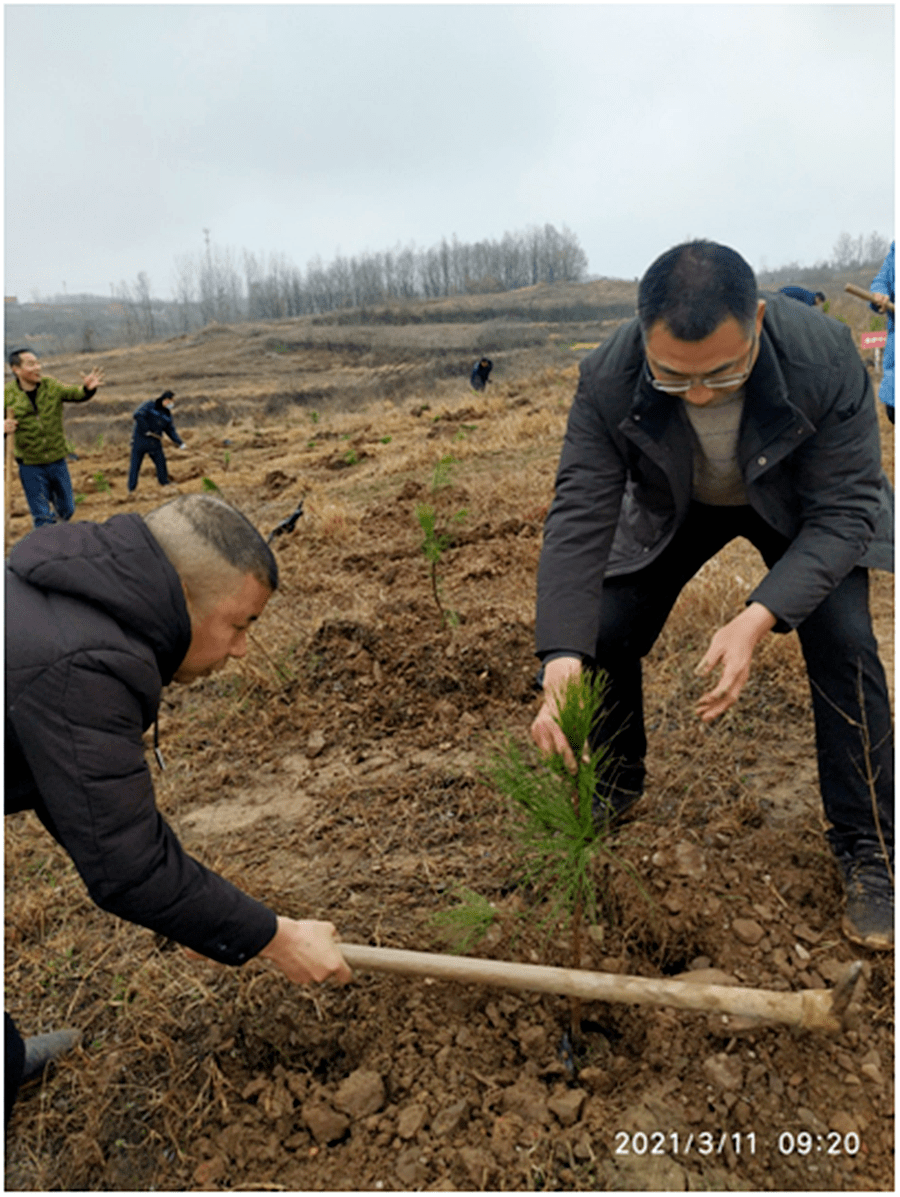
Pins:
<point x="553" y="815"/>
<point x="438" y="535"/>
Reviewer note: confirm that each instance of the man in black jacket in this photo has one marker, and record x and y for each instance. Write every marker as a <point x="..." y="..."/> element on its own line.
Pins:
<point x="99" y="617"/>
<point x="717" y="414"/>
<point x="481" y="373"/>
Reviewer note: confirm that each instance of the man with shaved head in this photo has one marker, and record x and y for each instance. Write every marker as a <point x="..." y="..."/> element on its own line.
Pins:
<point x="99" y="617"/>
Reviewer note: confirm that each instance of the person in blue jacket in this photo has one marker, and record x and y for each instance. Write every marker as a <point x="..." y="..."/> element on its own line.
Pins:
<point x="151" y="420"/>
<point x="883" y="293"/>
<point x="813" y="299"/>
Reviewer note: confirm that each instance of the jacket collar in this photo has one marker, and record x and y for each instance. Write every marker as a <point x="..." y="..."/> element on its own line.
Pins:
<point x="767" y="407"/>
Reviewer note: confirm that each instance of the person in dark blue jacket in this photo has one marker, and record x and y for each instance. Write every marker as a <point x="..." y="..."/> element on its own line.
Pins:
<point x="151" y="420"/>
<point x="883" y="294"/>
<point x="814" y="299"/>
<point x="481" y="373"/>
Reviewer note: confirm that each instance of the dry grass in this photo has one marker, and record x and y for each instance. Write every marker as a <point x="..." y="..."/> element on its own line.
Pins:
<point x="350" y="645"/>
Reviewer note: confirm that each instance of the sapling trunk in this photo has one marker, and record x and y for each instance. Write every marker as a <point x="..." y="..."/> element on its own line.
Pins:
<point x="576" y="963"/>
<point x="436" y="593"/>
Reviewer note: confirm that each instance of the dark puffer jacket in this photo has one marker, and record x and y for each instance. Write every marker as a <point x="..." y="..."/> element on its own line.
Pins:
<point x="808" y="450"/>
<point x="96" y="625"/>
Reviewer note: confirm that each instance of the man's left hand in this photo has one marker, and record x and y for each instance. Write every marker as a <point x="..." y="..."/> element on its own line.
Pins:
<point x="93" y="380"/>
<point x="731" y="649"/>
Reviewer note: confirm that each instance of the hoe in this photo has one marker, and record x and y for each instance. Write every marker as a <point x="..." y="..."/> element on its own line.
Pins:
<point x="810" y="1009"/>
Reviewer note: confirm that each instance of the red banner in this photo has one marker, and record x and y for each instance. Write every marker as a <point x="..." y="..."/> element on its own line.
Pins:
<point x="873" y="340"/>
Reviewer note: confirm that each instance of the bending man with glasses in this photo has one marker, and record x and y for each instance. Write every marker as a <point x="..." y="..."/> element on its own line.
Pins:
<point x="716" y="414"/>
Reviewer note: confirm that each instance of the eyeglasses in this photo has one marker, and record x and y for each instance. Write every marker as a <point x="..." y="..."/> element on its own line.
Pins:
<point x="718" y="382"/>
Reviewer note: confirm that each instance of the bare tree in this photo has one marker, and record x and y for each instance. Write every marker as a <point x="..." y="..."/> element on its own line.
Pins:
<point x="847" y="252"/>
<point x="185" y="292"/>
<point x="876" y="248"/>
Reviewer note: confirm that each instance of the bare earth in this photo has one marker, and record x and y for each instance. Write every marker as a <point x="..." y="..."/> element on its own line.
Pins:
<point x="336" y="773"/>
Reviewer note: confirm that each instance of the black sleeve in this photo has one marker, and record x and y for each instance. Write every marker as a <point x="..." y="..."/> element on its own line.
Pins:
<point x="79" y="727"/>
<point x="578" y="532"/>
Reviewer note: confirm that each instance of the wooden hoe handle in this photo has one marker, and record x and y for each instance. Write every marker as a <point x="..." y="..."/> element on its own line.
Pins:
<point x="820" y="1009"/>
<point x="860" y="293"/>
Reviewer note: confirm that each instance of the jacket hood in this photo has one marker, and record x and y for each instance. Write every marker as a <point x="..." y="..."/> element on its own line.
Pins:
<point x="118" y="567"/>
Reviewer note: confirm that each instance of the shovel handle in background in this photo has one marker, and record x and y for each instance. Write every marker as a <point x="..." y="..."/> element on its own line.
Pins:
<point x="861" y="293"/>
<point x="811" y="1009"/>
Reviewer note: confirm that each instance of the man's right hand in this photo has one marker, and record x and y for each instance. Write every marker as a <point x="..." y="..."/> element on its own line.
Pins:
<point x="307" y="950"/>
<point x="545" y="731"/>
<point x="880" y="301"/>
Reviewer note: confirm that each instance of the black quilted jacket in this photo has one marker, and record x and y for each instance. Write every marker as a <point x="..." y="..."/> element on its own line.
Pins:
<point x="808" y="449"/>
<point x="96" y="625"/>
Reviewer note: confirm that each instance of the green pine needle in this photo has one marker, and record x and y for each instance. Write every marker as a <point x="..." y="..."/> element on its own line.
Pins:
<point x="466" y="923"/>
<point x="552" y="808"/>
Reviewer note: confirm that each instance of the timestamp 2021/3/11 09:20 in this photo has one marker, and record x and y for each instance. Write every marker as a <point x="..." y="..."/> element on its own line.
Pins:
<point x="736" y="1143"/>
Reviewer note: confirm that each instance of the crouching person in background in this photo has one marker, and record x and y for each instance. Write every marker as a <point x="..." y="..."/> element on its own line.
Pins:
<point x="99" y="617"/>
<point x="152" y="420"/>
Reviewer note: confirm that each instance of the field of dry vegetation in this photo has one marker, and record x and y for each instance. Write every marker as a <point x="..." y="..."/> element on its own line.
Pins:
<point x="337" y="773"/>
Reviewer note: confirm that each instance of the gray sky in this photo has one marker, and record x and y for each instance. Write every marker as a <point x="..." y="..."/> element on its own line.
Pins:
<point x="312" y="130"/>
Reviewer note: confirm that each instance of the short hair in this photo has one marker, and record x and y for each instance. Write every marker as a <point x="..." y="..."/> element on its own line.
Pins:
<point x="15" y="358"/>
<point x="212" y="546"/>
<point x="694" y="287"/>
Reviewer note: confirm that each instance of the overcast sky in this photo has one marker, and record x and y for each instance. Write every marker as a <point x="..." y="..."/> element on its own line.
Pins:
<point x="312" y="130"/>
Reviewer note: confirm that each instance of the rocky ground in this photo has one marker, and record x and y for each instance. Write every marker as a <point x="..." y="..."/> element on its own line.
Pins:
<point x="337" y="773"/>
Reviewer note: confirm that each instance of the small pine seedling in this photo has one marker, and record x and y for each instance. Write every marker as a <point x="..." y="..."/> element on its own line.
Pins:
<point x="101" y="483"/>
<point x="438" y="535"/>
<point x="553" y="815"/>
<point x="209" y="485"/>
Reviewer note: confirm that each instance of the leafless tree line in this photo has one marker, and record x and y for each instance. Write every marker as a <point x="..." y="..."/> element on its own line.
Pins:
<point x="213" y="286"/>
<point x="219" y="285"/>
<point x="849" y="253"/>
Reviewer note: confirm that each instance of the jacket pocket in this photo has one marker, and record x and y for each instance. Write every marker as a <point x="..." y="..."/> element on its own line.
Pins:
<point x="646" y="521"/>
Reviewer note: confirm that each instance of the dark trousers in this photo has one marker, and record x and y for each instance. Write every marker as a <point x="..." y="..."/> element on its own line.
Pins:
<point x="841" y="658"/>
<point x="13" y="1065"/>
<point x="48" y="490"/>
<point x="147" y="444"/>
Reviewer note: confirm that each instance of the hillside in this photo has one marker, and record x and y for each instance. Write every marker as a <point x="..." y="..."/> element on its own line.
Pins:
<point x="337" y="772"/>
<point x="346" y="359"/>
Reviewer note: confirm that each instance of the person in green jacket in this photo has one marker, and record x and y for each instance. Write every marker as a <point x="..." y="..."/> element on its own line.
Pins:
<point x="33" y="412"/>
